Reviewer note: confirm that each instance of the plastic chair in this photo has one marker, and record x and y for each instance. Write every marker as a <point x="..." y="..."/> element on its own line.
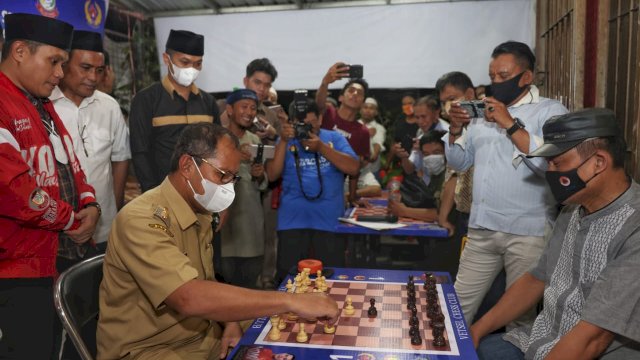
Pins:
<point x="76" y="302"/>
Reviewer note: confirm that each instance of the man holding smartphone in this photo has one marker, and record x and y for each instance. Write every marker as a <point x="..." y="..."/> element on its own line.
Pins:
<point x="511" y="203"/>
<point x="344" y="119"/>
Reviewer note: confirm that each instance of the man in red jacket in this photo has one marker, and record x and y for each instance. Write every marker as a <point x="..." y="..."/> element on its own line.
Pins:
<point x="43" y="192"/>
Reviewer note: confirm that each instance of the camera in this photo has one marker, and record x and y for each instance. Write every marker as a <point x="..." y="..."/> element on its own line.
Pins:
<point x="258" y="124"/>
<point x="475" y="108"/>
<point x="301" y="106"/>
<point x="302" y="130"/>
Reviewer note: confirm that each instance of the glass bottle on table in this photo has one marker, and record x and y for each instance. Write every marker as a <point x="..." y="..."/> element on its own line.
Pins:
<point x="394" y="191"/>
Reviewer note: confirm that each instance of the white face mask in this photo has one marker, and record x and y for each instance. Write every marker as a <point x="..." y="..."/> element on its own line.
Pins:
<point x="434" y="164"/>
<point x="183" y="76"/>
<point x="216" y="198"/>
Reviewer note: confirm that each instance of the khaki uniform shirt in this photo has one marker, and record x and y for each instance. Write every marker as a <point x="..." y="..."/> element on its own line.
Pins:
<point x="157" y="244"/>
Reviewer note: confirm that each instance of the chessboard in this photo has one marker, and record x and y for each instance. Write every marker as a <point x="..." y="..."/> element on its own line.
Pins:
<point x="387" y="333"/>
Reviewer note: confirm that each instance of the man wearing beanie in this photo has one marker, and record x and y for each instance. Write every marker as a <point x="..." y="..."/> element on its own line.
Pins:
<point x="242" y="246"/>
<point x="43" y="191"/>
<point x="161" y="111"/>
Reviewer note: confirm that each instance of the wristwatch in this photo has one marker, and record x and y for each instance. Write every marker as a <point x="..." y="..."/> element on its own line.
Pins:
<point x="517" y="125"/>
<point x="95" y="205"/>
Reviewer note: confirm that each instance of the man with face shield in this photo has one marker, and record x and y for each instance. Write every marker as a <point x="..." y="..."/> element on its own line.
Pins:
<point x="587" y="273"/>
<point x="161" y="111"/>
<point x="511" y="204"/>
<point x="159" y="298"/>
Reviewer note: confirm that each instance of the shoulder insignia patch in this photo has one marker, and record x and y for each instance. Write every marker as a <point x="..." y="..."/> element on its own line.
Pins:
<point x="162" y="213"/>
<point x="161" y="227"/>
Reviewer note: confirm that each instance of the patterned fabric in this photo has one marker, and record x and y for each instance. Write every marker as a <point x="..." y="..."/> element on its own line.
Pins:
<point x="463" y="194"/>
<point x="574" y="264"/>
<point x="67" y="248"/>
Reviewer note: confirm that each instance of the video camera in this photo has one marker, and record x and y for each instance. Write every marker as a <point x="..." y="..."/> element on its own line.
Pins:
<point x="301" y="105"/>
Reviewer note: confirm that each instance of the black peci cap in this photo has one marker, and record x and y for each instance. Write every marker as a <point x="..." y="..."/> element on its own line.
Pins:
<point x="186" y="42"/>
<point x="87" y="40"/>
<point x="563" y="132"/>
<point x="38" y="28"/>
<point x="241" y="94"/>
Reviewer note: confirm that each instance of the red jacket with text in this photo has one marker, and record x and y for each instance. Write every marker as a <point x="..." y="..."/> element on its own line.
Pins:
<point x="31" y="212"/>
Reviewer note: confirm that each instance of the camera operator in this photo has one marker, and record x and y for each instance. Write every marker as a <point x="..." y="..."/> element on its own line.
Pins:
<point x="313" y="163"/>
<point x="511" y="204"/>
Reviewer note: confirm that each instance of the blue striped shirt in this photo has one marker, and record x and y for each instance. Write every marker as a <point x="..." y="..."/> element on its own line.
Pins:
<point x="509" y="192"/>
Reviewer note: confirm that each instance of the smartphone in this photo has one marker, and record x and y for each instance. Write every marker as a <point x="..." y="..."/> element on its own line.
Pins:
<point x="261" y="152"/>
<point x="258" y="124"/>
<point x="475" y="108"/>
<point x="356" y="71"/>
<point x="275" y="108"/>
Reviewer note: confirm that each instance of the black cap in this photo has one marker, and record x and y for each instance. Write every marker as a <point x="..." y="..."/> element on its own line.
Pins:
<point x="86" y="40"/>
<point x="186" y="42"/>
<point x="38" y="28"/>
<point x="240" y="94"/>
<point x="563" y="132"/>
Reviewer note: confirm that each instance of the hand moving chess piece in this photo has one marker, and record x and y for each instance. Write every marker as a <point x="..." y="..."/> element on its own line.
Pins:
<point x="329" y="329"/>
<point x="302" y="336"/>
<point x="274" y="334"/>
<point x="372" y="312"/>
<point x="349" y="310"/>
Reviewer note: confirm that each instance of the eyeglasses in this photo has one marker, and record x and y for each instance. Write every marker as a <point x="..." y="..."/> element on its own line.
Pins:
<point x="225" y="176"/>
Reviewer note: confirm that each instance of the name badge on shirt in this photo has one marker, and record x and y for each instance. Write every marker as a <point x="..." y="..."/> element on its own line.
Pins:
<point x="58" y="149"/>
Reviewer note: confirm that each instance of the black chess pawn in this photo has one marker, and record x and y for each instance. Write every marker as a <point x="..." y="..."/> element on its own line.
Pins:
<point x="439" y="341"/>
<point x="372" y="312"/>
<point x="414" y="330"/>
<point x="416" y="340"/>
<point x="437" y="329"/>
<point x="413" y="320"/>
<point x="432" y="293"/>
<point x="437" y="319"/>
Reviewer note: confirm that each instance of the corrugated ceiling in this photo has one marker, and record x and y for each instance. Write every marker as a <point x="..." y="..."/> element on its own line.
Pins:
<point x="156" y="8"/>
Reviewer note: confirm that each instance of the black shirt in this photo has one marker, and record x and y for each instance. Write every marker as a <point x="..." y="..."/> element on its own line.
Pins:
<point x="158" y="115"/>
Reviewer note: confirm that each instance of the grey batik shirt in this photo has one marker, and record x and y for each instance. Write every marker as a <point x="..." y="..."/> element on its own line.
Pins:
<point x="590" y="268"/>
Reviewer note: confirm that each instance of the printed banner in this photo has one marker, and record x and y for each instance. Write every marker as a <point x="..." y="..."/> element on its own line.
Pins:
<point x="89" y="15"/>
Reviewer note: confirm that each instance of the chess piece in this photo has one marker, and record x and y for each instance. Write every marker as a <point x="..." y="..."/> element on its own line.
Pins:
<point x="289" y="286"/>
<point x="413" y="331"/>
<point x="302" y="336"/>
<point x="437" y="319"/>
<point x="274" y="334"/>
<point x="282" y="324"/>
<point x="329" y="329"/>
<point x="349" y="310"/>
<point x="439" y="341"/>
<point x="292" y="317"/>
<point x="416" y="340"/>
<point x="437" y="329"/>
<point x="413" y="320"/>
<point x="372" y="312"/>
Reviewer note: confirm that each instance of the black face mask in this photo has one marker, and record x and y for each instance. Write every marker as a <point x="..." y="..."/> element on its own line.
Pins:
<point x="564" y="184"/>
<point x="507" y="91"/>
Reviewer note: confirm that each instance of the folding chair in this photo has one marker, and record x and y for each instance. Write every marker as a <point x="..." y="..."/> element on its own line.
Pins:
<point x="76" y="302"/>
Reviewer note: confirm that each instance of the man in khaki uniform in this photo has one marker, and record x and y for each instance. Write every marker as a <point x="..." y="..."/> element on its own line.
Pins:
<point x="158" y="297"/>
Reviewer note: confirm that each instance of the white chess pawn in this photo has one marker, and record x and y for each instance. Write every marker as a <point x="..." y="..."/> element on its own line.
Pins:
<point x="289" y="286"/>
<point x="349" y="310"/>
<point x="302" y="336"/>
<point x="329" y="329"/>
<point x="281" y="324"/>
<point x="274" y="334"/>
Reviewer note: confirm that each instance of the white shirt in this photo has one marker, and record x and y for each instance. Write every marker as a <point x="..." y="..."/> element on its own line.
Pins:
<point x="100" y="136"/>
<point x="378" y="138"/>
<point x="508" y="196"/>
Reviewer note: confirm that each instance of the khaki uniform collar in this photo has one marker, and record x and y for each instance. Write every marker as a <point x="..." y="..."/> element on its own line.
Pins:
<point x="181" y="210"/>
<point x="168" y="86"/>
